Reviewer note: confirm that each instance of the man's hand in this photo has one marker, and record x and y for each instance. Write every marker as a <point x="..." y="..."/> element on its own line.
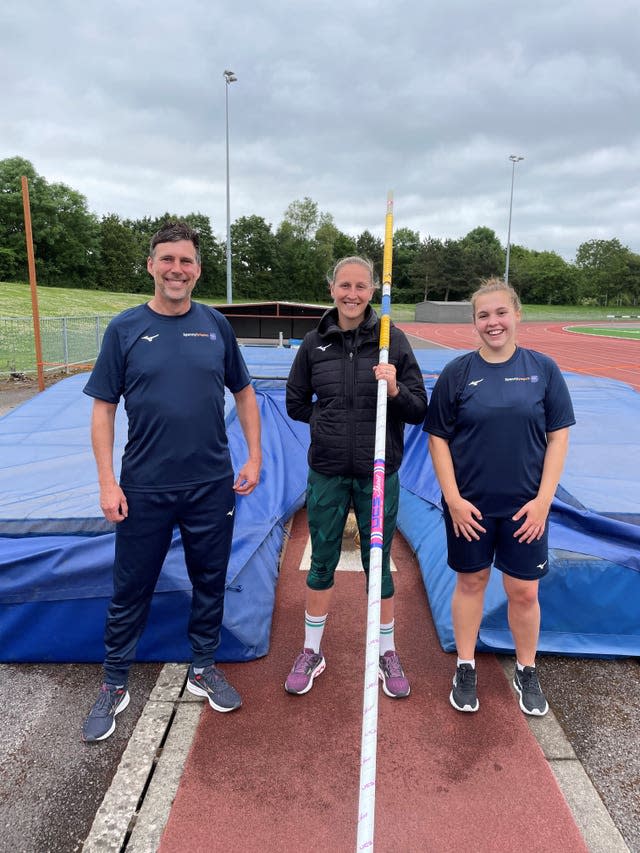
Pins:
<point x="248" y="478"/>
<point x="113" y="503"/>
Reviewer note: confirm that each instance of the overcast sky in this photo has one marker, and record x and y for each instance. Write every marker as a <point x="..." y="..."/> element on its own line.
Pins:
<point x="341" y="102"/>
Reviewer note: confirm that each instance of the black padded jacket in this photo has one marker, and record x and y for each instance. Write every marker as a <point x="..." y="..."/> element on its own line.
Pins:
<point x="332" y="387"/>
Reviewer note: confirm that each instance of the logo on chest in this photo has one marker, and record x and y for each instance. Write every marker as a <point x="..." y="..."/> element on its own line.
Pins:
<point x="210" y="335"/>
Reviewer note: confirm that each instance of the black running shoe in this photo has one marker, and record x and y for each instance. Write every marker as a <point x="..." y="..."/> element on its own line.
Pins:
<point x="464" y="695"/>
<point x="532" y="699"/>
<point x="212" y="683"/>
<point x="101" y="721"/>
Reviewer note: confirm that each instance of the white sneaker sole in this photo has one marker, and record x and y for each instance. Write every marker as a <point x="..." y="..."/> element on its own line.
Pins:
<point x="123" y="704"/>
<point x="533" y="712"/>
<point x="198" y="691"/>
<point x="467" y="709"/>
<point x="387" y="692"/>
<point x="316" y="672"/>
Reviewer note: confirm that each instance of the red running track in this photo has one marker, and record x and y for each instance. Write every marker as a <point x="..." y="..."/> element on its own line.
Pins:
<point x="578" y="353"/>
<point x="281" y="775"/>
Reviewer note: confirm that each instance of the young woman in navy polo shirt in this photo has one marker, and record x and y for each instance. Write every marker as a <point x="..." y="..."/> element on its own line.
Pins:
<point x="498" y="424"/>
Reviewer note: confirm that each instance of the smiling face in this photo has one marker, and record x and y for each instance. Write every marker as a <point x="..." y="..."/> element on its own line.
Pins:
<point x="496" y="320"/>
<point x="175" y="270"/>
<point x="351" y="291"/>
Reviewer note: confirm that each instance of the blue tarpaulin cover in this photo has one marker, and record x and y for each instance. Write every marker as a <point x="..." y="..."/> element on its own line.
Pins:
<point x="590" y="597"/>
<point x="56" y="549"/>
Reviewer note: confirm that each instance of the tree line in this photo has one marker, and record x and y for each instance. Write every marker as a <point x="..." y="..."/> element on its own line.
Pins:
<point x="75" y="248"/>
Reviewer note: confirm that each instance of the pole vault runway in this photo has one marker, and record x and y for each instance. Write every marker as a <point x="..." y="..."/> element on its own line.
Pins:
<point x="282" y="773"/>
<point x="578" y="353"/>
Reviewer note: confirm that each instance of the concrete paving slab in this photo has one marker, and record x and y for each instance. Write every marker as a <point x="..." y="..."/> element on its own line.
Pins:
<point x="589" y="812"/>
<point x="117" y="814"/>
<point x="159" y="797"/>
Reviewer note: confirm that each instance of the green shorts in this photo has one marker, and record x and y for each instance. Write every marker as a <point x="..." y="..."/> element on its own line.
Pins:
<point x="328" y="502"/>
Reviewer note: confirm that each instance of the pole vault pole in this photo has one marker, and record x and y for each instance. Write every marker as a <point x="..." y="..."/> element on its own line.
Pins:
<point x="367" y="803"/>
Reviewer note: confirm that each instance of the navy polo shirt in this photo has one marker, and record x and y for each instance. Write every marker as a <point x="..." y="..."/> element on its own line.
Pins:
<point x="496" y="418"/>
<point x="171" y="372"/>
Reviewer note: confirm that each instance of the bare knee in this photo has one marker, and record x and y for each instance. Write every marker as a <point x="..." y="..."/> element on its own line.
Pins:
<point x="472" y="584"/>
<point x="521" y="593"/>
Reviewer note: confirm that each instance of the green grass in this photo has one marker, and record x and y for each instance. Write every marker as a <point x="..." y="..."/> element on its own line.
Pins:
<point x="632" y="333"/>
<point x="83" y="335"/>
<point x="402" y="313"/>
<point x="15" y="301"/>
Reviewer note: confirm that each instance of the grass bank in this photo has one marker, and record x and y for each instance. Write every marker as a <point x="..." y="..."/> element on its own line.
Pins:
<point x="15" y="301"/>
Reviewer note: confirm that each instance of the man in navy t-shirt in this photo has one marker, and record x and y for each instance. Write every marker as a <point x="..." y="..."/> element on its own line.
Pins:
<point x="170" y="360"/>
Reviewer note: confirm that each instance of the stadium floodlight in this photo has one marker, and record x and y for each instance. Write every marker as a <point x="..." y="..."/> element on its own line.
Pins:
<point x="229" y="78"/>
<point x="515" y="158"/>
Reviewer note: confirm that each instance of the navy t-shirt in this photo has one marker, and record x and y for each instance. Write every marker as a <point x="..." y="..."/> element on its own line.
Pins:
<point x="172" y="372"/>
<point x="495" y="418"/>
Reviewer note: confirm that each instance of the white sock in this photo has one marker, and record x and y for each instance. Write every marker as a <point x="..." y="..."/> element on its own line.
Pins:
<point x="313" y="630"/>
<point x="520" y="667"/>
<point x="387" y="643"/>
<point x="470" y="662"/>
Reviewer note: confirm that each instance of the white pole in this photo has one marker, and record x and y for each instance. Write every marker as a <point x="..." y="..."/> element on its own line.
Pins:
<point x="368" y="749"/>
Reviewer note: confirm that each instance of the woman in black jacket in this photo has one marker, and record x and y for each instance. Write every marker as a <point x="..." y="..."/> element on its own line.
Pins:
<point x="333" y="386"/>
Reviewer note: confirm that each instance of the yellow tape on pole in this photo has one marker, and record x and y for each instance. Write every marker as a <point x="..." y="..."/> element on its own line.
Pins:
<point x="387" y="260"/>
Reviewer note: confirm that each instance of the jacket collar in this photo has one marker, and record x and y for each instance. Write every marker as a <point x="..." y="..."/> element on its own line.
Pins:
<point x="328" y="324"/>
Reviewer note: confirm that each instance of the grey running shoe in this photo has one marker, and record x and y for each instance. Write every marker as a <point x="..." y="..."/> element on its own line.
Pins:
<point x="307" y="666"/>
<point x="101" y="721"/>
<point x="394" y="681"/>
<point x="464" y="696"/>
<point x="532" y="700"/>
<point x="212" y="684"/>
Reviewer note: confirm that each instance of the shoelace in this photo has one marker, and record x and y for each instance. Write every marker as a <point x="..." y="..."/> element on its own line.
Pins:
<point x="303" y="661"/>
<point x="393" y="666"/>
<point x="106" y="699"/>
<point x="530" y="682"/>
<point x="464" y="674"/>
<point x="212" y="673"/>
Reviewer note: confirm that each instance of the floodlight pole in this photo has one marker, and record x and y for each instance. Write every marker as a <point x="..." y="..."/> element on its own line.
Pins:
<point x="515" y="158"/>
<point x="229" y="78"/>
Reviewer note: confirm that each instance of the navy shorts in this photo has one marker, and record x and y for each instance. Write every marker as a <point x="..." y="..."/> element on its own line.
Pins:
<point x="522" y="560"/>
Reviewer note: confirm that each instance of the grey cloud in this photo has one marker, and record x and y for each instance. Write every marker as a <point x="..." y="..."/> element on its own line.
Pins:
<point x="340" y="102"/>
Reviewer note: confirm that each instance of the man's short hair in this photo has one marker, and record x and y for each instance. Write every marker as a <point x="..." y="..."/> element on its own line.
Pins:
<point x="172" y="232"/>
